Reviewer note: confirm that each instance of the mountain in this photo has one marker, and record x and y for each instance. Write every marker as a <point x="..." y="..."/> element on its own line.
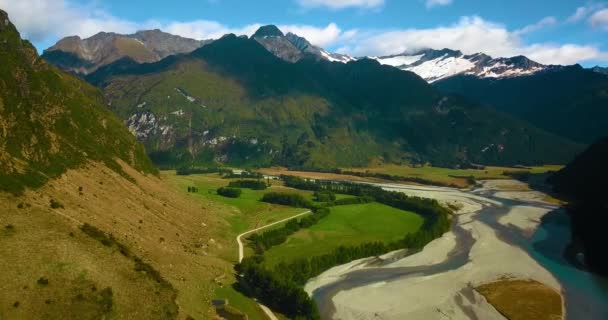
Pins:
<point x="51" y="121"/>
<point x="434" y="65"/>
<point x="292" y="47"/>
<point x="568" y="101"/>
<point x="601" y="70"/>
<point x="582" y="182"/>
<point x="83" y="56"/>
<point x="234" y="102"/>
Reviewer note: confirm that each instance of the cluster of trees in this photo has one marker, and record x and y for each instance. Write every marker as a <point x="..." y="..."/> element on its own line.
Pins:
<point x="249" y="184"/>
<point x="192" y="189"/>
<point x="276" y="292"/>
<point x="229" y="192"/>
<point x="423" y="206"/>
<point x="281" y="288"/>
<point x="288" y="199"/>
<point x="266" y="240"/>
<point x="185" y="171"/>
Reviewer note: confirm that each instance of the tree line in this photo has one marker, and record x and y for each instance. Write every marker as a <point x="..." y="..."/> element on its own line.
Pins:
<point x="249" y="184"/>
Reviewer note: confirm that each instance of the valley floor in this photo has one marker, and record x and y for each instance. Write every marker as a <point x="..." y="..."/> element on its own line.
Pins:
<point x="494" y="238"/>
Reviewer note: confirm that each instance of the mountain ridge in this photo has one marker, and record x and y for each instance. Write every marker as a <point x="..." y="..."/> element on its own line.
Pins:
<point x="434" y="65"/>
<point x="83" y="56"/>
<point x="234" y="102"/>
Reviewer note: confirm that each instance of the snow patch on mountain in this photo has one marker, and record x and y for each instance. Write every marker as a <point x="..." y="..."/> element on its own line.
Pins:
<point x="434" y="65"/>
<point x="397" y="61"/>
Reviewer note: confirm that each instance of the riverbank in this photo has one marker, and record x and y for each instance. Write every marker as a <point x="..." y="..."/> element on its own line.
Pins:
<point x="492" y="238"/>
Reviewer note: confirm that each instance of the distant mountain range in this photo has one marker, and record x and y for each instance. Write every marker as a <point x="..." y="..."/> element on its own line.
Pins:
<point x="83" y="56"/>
<point x="242" y="101"/>
<point x="567" y="101"/>
<point x="434" y="65"/>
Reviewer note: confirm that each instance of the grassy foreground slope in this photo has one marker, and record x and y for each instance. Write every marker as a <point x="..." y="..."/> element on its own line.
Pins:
<point x="348" y="225"/>
<point x="86" y="232"/>
<point x="149" y="220"/>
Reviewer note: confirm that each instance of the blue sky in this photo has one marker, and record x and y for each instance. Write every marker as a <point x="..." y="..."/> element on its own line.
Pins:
<point x="559" y="32"/>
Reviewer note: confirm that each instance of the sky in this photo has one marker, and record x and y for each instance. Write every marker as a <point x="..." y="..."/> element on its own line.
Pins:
<point x="548" y="31"/>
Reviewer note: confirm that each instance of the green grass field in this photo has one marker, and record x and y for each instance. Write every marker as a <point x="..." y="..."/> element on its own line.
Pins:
<point x="242" y="303"/>
<point x="249" y="211"/>
<point x="346" y="225"/>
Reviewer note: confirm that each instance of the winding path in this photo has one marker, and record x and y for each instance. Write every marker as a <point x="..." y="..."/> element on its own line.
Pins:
<point x="264" y="308"/>
<point x="238" y="238"/>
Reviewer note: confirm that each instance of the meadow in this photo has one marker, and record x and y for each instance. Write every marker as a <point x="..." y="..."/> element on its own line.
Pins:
<point x="346" y="226"/>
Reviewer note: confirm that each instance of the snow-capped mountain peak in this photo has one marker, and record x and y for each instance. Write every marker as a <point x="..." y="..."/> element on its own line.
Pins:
<point x="434" y="65"/>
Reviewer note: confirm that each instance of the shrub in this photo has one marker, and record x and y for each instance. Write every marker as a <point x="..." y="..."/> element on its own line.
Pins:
<point x="249" y="184"/>
<point x="229" y="192"/>
<point x="56" y="204"/>
<point x="288" y="199"/>
<point x="43" y="281"/>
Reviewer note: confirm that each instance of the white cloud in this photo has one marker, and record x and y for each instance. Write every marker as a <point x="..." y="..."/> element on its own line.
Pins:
<point x="470" y="35"/>
<point x="437" y="3"/>
<point x="320" y="36"/>
<point x="543" y="23"/>
<point x="341" y="4"/>
<point x="44" y="20"/>
<point x="599" y="19"/>
<point x="205" y="29"/>
<point x="584" y="11"/>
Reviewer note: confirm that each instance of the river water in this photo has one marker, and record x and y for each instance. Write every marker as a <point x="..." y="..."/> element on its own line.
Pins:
<point x="585" y="295"/>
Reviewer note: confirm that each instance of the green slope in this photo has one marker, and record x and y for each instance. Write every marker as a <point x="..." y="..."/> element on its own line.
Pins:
<point x="50" y="121"/>
<point x="234" y="102"/>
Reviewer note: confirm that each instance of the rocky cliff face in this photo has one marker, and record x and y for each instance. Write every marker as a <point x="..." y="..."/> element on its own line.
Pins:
<point x="291" y="47"/>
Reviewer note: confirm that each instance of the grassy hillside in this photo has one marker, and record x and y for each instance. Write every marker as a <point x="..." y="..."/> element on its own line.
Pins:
<point x="234" y="102"/>
<point x="93" y="234"/>
<point x="151" y="221"/>
<point x="51" y="121"/>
